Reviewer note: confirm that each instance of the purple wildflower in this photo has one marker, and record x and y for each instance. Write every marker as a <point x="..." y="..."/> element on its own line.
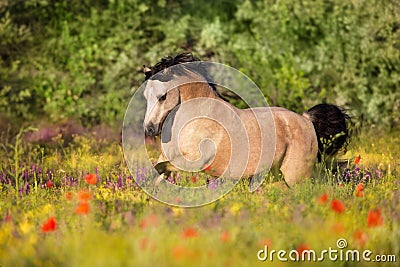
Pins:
<point x="378" y="174"/>
<point x="119" y="181"/>
<point x="24" y="189"/>
<point x="70" y="181"/>
<point x="140" y="177"/>
<point x="49" y="174"/>
<point x="171" y="179"/>
<point x="367" y="177"/>
<point x="25" y="175"/>
<point x="214" y="184"/>
<point x="27" y="187"/>
<point x="96" y="171"/>
<point x="178" y="177"/>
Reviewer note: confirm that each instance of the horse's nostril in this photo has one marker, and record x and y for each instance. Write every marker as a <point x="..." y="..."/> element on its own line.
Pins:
<point x="150" y="130"/>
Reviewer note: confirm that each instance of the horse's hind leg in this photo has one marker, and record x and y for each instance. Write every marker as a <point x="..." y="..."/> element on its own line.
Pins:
<point x="297" y="165"/>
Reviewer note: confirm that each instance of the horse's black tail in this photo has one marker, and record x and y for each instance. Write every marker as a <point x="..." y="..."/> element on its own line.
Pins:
<point x="331" y="125"/>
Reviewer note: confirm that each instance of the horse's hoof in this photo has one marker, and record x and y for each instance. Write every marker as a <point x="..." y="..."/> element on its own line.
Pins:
<point x="159" y="179"/>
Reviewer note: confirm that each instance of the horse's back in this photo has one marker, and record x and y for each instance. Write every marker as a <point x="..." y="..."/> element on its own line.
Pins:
<point x="293" y="124"/>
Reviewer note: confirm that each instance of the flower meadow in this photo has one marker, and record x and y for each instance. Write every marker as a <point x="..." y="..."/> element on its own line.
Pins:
<point x="77" y="204"/>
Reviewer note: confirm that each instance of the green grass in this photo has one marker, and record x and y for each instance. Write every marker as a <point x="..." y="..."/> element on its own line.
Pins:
<point x="125" y="227"/>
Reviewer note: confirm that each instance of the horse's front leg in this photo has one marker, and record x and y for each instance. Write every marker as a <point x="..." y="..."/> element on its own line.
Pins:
<point x="162" y="169"/>
<point x="159" y="179"/>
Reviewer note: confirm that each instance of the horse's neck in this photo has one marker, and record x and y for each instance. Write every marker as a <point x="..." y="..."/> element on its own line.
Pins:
<point x="197" y="90"/>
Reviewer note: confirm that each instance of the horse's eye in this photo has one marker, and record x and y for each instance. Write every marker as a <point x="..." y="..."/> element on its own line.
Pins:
<point x="163" y="97"/>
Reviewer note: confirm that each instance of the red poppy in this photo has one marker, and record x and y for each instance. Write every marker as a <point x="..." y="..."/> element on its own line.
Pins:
<point x="143" y="224"/>
<point x="302" y="247"/>
<point x="207" y="167"/>
<point x="68" y="195"/>
<point x="151" y="220"/>
<point x="266" y="242"/>
<point x="338" y="228"/>
<point x="225" y="236"/>
<point x="8" y="218"/>
<point x="360" y="187"/>
<point x="359" y="193"/>
<point x="180" y="252"/>
<point x="143" y="243"/>
<point x="82" y="208"/>
<point x="177" y="200"/>
<point x="359" y="190"/>
<point x="91" y="178"/>
<point x="337" y="206"/>
<point x="340" y="184"/>
<point x="84" y="196"/>
<point x="189" y="233"/>
<point x="323" y="198"/>
<point x="357" y="160"/>
<point x="360" y="237"/>
<point x="49" y="184"/>
<point x="50" y="225"/>
<point x="374" y="218"/>
<point x="194" y="179"/>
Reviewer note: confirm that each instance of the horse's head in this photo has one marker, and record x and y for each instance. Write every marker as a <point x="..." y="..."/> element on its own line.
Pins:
<point x="169" y="83"/>
<point x="161" y="100"/>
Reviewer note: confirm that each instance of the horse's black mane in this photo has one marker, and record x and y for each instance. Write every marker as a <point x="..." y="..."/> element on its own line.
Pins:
<point x="169" y="61"/>
<point x="161" y="72"/>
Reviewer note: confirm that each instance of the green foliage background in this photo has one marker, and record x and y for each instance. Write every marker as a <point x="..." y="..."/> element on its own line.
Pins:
<point x="82" y="59"/>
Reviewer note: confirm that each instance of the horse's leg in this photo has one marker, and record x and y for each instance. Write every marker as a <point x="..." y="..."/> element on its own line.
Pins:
<point x="159" y="179"/>
<point x="164" y="169"/>
<point x="298" y="163"/>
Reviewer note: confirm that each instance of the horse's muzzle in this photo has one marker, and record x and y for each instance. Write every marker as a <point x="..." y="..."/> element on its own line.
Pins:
<point x="151" y="130"/>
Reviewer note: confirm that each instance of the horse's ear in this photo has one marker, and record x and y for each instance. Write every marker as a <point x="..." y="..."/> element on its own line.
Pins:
<point x="147" y="72"/>
<point x="146" y="69"/>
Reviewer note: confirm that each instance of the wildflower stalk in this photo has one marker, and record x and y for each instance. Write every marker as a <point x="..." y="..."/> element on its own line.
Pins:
<point x="16" y="158"/>
<point x="35" y="182"/>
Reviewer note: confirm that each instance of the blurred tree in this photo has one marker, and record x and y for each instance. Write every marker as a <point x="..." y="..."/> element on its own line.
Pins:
<point x="80" y="59"/>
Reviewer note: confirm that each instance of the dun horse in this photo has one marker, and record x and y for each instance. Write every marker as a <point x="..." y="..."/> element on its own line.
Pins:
<point x="300" y="140"/>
